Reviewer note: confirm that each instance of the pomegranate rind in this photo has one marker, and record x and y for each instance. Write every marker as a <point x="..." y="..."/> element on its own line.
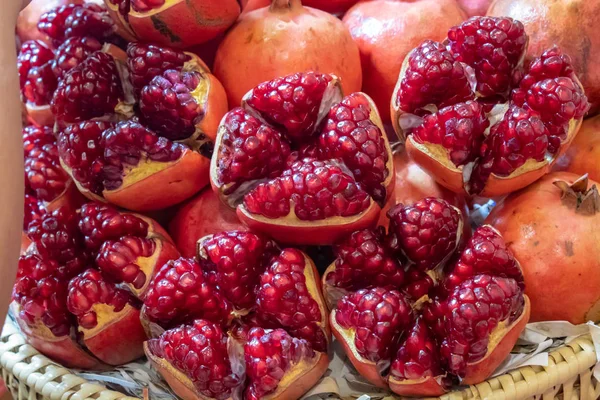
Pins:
<point x="62" y="349"/>
<point x="291" y="230"/>
<point x="332" y="294"/>
<point x="123" y="28"/>
<point x="366" y="368"/>
<point x="107" y="341"/>
<point x="165" y="251"/>
<point x="499" y="349"/>
<point x="214" y="106"/>
<point x="40" y="115"/>
<point x="428" y="386"/>
<point x="170" y="183"/>
<point x="184" y="23"/>
<point x="313" y="284"/>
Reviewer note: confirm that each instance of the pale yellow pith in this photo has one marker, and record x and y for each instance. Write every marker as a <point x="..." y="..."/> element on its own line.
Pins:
<point x="530" y="165"/>
<point x="438" y="152"/>
<point x="105" y="315"/>
<point x="40" y="329"/>
<point x="147" y="264"/>
<point x="143" y="170"/>
<point x="312" y="288"/>
<point x="348" y="335"/>
<point x="168" y="3"/>
<point x="295" y="373"/>
<point x="497" y="335"/>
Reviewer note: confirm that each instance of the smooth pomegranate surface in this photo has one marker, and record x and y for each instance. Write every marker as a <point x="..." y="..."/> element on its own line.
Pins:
<point x="581" y="157"/>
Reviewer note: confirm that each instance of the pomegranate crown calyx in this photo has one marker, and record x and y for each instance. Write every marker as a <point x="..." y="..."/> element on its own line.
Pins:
<point x="577" y="195"/>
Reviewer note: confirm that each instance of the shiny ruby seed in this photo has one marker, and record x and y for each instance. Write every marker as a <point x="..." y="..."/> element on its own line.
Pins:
<point x="36" y="137"/>
<point x="432" y="76"/>
<point x="33" y="53"/>
<point x="34" y="210"/>
<point x="77" y="20"/>
<point x="39" y="85"/>
<point x="118" y="259"/>
<point x="72" y="52"/>
<point x="551" y="64"/>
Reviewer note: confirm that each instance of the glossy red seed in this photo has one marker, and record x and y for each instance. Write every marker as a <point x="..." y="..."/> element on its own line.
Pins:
<point x="33" y="53"/>
<point x="72" y="52"/>
<point x="117" y="259"/>
<point x="44" y="175"/>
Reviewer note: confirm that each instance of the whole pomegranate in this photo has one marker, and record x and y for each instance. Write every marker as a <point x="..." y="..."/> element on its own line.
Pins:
<point x="552" y="223"/>
<point x="568" y="24"/>
<point x="270" y="301"/>
<point x="413" y="301"/>
<point x="478" y="121"/>
<point x="582" y="156"/>
<point x="302" y="164"/>
<point x="179" y="23"/>
<point x="386" y="31"/>
<point x="279" y="45"/>
<point x="65" y="296"/>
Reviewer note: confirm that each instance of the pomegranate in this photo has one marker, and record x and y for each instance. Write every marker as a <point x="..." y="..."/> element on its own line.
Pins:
<point x="566" y="24"/>
<point x="271" y="301"/>
<point x="201" y="216"/>
<point x="67" y="283"/>
<point x="413" y="302"/>
<point x="164" y="150"/>
<point x="386" y="31"/>
<point x="30" y="15"/>
<point x="551" y="221"/>
<point x="175" y="23"/>
<point x="581" y="157"/>
<point x="486" y="127"/>
<point x="332" y="6"/>
<point x="279" y="47"/>
<point x="297" y="166"/>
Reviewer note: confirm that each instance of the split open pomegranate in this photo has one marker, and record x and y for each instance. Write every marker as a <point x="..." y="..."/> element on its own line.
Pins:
<point x="302" y="164"/>
<point x="415" y="313"/>
<point x="479" y="120"/>
<point x="247" y="306"/>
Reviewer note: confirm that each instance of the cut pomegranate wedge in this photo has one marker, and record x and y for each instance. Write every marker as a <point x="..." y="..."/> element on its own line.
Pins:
<point x="520" y="121"/>
<point x="300" y="163"/>
<point x="454" y="317"/>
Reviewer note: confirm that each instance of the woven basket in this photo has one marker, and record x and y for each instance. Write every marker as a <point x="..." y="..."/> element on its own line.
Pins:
<point x="32" y="376"/>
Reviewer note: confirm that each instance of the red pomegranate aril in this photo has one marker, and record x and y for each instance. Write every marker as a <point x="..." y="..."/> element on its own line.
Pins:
<point x="236" y="259"/>
<point x="475" y="308"/>
<point x="116" y="258"/>
<point x="249" y="149"/>
<point x="100" y="222"/>
<point x="459" y="128"/>
<point x="127" y="144"/>
<point x="52" y="23"/>
<point x="418" y="283"/>
<point x="362" y="261"/>
<point x="81" y="149"/>
<point x="432" y="76"/>
<point x="351" y="135"/>
<point x="292" y="102"/>
<point x="426" y="232"/>
<point x="316" y="189"/>
<point x="72" y="52"/>
<point x="89" y="19"/>
<point x="91" y="89"/>
<point x="33" y="53"/>
<point x="90" y="288"/>
<point x="493" y="47"/>
<point x="34" y="210"/>
<point x="168" y="106"/>
<point x="377" y="317"/>
<point x="37" y="137"/>
<point x="43" y="173"/>
<point x="39" y="85"/>
<point x="557" y="100"/>
<point x="283" y="298"/>
<point x="180" y="292"/>
<point x="199" y="350"/>
<point x="146" y="61"/>
<point x="552" y="63"/>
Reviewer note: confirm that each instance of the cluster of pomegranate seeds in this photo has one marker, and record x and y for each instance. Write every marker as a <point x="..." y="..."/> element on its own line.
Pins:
<point x="377" y="316"/>
<point x="118" y="259"/>
<point x="91" y="89"/>
<point x="146" y="5"/>
<point x="77" y="20"/>
<point x="235" y="260"/>
<point x="426" y="232"/>
<point x="41" y="292"/>
<point x="37" y="136"/>
<point x="475" y="309"/>
<point x="269" y="355"/>
<point x="146" y="61"/>
<point x="181" y="292"/>
<point x="72" y="52"/>
<point x="168" y="105"/>
<point x="292" y="102"/>
<point x="90" y="288"/>
<point x="552" y="63"/>
<point x="80" y="148"/>
<point x="316" y="189"/>
<point x="127" y="143"/>
<point x="349" y="134"/>
<point x="43" y="174"/>
<point x="459" y="128"/>
<point x="100" y="222"/>
<point x="39" y="85"/>
<point x="34" y="53"/>
<point x="362" y="260"/>
<point x="200" y="351"/>
<point x="250" y="149"/>
<point x="34" y="210"/>
<point x="433" y="76"/>
<point x="418" y="354"/>
<point x="283" y="298"/>
<point x="493" y="47"/>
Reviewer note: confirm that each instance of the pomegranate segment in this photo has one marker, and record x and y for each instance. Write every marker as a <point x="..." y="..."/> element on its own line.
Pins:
<point x="454" y="317"/>
<point x="77" y="20"/>
<point x="544" y="103"/>
<point x="33" y="53"/>
<point x="72" y="52"/>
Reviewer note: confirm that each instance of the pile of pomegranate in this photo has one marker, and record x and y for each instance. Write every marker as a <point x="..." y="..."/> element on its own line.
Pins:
<point x="229" y="303"/>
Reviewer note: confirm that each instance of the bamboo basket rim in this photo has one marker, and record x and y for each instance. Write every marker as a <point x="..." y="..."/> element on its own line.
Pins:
<point x="568" y="376"/>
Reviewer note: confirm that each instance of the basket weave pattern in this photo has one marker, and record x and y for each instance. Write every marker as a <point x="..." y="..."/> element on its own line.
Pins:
<point x="32" y="376"/>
